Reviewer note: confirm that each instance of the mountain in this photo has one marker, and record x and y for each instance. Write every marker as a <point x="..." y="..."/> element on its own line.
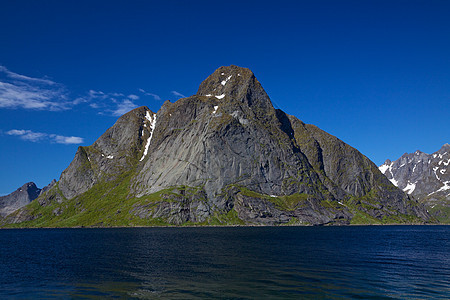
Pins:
<point x="426" y="177"/>
<point x="19" y="198"/>
<point x="224" y="156"/>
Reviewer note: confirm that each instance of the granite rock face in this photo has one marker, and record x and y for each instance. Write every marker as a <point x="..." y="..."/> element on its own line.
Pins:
<point x="226" y="155"/>
<point x="237" y="139"/>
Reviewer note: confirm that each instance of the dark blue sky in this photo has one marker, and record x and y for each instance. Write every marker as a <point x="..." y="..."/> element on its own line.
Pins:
<point x="376" y="74"/>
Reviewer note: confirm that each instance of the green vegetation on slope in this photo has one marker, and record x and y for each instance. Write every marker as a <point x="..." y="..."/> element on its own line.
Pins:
<point x="108" y="204"/>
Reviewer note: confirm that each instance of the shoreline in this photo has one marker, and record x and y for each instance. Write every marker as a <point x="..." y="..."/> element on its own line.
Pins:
<point x="217" y="226"/>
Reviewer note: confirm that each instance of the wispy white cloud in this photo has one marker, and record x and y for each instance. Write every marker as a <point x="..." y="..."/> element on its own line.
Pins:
<point x="60" y="139"/>
<point x="123" y="107"/>
<point x="20" y="91"/>
<point x="133" y="97"/>
<point x="178" y="94"/>
<point x="27" y="135"/>
<point x="13" y="75"/>
<point x="94" y="105"/>
<point x="32" y="136"/>
<point x="156" y="97"/>
<point x="115" y="104"/>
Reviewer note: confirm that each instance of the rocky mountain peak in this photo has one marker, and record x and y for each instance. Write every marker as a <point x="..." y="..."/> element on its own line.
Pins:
<point x="19" y="198"/>
<point x="222" y="156"/>
<point x="425" y="176"/>
<point x="236" y="83"/>
<point x="31" y="189"/>
<point x="444" y="148"/>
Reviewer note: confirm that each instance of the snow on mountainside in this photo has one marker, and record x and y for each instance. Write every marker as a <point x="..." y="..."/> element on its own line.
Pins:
<point x="425" y="176"/>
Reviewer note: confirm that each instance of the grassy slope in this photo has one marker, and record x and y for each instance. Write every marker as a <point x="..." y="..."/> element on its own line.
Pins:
<point x="440" y="210"/>
<point x="108" y="204"/>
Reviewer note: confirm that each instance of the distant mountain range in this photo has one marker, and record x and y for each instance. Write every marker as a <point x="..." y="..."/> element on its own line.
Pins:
<point x="425" y="176"/>
<point x="21" y="197"/>
<point x="224" y="156"/>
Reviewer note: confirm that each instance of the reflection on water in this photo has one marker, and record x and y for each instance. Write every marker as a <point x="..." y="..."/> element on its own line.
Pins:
<point x="238" y="262"/>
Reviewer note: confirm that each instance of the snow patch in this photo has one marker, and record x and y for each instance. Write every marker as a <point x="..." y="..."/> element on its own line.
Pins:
<point x="226" y="80"/>
<point x="383" y="168"/>
<point x="220" y="97"/>
<point x="148" y="116"/>
<point x="273" y="196"/>
<point x="435" y="169"/>
<point x="222" y="73"/>
<point x="215" y="109"/>
<point x="152" y="129"/>
<point x="110" y="157"/>
<point x="445" y="187"/>
<point x="442" y="171"/>
<point x="443" y="162"/>
<point x="394" y="182"/>
<point x="340" y="203"/>
<point x="209" y="95"/>
<point x="410" y="187"/>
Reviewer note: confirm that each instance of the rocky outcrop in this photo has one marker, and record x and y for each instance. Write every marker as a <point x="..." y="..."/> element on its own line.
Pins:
<point x="224" y="156"/>
<point x="48" y="187"/>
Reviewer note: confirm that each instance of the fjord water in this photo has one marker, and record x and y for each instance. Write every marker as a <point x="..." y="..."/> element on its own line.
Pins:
<point x="236" y="262"/>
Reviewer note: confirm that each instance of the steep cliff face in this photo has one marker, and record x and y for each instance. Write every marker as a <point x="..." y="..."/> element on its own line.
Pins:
<point x="229" y="133"/>
<point x="222" y="156"/>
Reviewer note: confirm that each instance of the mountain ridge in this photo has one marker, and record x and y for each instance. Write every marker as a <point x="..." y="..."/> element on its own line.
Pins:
<point x="21" y="197"/>
<point x="424" y="176"/>
<point x="223" y="156"/>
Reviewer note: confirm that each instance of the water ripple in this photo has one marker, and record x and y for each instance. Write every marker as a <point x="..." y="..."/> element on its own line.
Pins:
<point x="394" y="262"/>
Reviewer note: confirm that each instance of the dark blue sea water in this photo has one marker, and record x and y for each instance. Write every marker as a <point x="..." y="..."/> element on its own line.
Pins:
<point x="367" y="262"/>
